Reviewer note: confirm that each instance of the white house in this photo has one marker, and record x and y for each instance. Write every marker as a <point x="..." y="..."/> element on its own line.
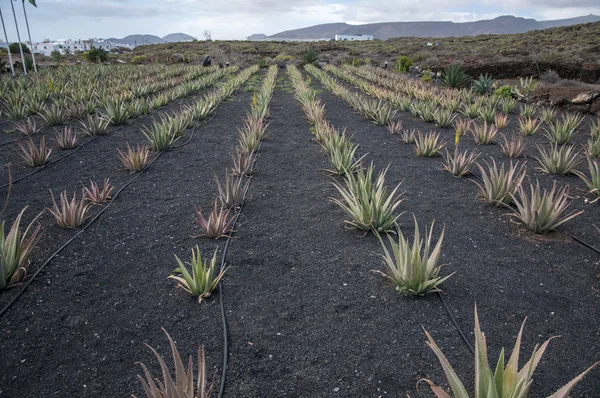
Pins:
<point x="46" y="47"/>
<point x="353" y="37"/>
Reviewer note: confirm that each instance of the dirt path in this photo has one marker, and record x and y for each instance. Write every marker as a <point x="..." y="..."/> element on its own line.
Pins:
<point x="307" y="318"/>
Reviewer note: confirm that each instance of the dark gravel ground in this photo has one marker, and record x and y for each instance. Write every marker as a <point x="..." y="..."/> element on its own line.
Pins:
<point x="90" y="311"/>
<point x="306" y="315"/>
<point x="551" y="279"/>
<point x="94" y="161"/>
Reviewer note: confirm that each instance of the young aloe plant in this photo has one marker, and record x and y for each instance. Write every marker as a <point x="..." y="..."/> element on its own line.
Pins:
<point x="503" y="382"/>
<point x="368" y="204"/>
<point x="499" y="183"/>
<point x="414" y="268"/>
<point x="593" y="183"/>
<point x="217" y="224"/>
<point x="183" y="385"/>
<point x="15" y="250"/>
<point x="69" y="214"/>
<point x="542" y="212"/>
<point x="203" y="278"/>
<point x="460" y="163"/>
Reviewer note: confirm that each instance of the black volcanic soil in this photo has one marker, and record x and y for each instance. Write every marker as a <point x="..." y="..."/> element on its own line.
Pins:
<point x="306" y="315"/>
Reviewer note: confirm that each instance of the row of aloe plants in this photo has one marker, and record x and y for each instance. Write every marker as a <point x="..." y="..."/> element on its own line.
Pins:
<point x="81" y="90"/>
<point x="204" y="275"/>
<point x="537" y="210"/>
<point x="443" y="107"/>
<point x="218" y="221"/>
<point x="118" y="112"/>
<point x="72" y="212"/>
<point x="479" y="112"/>
<point x="365" y="198"/>
<point x="414" y="267"/>
<point x="114" y="109"/>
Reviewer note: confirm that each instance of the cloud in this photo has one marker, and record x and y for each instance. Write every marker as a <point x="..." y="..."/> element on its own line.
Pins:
<point x="236" y="19"/>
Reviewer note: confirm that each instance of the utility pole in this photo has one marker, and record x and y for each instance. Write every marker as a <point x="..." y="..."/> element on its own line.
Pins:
<point x="29" y="34"/>
<point x="18" y="37"/>
<point x="12" y="69"/>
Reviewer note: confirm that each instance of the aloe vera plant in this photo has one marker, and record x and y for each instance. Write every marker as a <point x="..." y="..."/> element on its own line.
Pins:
<point x="395" y="127"/>
<point x="134" y="159"/>
<point x="513" y="147"/>
<point x="183" y="385"/>
<point x="231" y="190"/>
<point x="368" y="204"/>
<point x="343" y="160"/>
<point x="217" y="224"/>
<point x="542" y="212"/>
<point x="484" y="134"/>
<point x="499" y="184"/>
<point x="69" y="214"/>
<point x="593" y="183"/>
<point x="32" y="155"/>
<point x="460" y="163"/>
<point x="204" y="276"/>
<point x="558" y="160"/>
<point x="96" y="194"/>
<point x="505" y="381"/>
<point x="414" y="269"/>
<point x="15" y="250"/>
<point x="428" y="144"/>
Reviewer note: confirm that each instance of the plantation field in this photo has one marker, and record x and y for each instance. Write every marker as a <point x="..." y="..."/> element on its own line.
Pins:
<point x="307" y="309"/>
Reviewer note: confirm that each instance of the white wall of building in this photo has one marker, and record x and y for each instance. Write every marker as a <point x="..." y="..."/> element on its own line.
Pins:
<point x="353" y="37"/>
<point x="47" y="46"/>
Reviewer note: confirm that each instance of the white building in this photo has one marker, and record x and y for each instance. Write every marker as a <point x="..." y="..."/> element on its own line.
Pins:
<point x="72" y="46"/>
<point x="353" y="37"/>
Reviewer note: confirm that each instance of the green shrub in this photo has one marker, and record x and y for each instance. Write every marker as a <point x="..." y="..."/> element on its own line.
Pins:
<point x="426" y="76"/>
<point x="138" y="59"/>
<point x="505" y="91"/>
<point x="284" y="58"/>
<point x="403" y="64"/>
<point x="353" y="61"/>
<point x="29" y="63"/>
<point x="310" y="56"/>
<point x="56" y="55"/>
<point x="95" y="55"/>
<point x="14" y="48"/>
<point x="262" y="63"/>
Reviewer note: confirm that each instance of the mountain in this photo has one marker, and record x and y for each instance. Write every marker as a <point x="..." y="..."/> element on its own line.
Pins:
<point x="507" y="24"/>
<point x="570" y="21"/>
<point x="328" y="31"/>
<point x="257" y="36"/>
<point x="151" y="39"/>
<point x="137" y="40"/>
<point x="175" y="37"/>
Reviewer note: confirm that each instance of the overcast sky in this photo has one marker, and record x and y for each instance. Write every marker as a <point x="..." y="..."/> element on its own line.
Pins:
<point x="236" y="19"/>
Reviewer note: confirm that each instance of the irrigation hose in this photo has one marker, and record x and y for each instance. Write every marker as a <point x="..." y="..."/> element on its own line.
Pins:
<point x="445" y="305"/>
<point x="575" y="238"/>
<point x="462" y="335"/>
<point x="93" y="220"/>
<point x="78" y="148"/>
<point x="60" y="249"/>
<point x="221" y="305"/>
<point x="37" y="170"/>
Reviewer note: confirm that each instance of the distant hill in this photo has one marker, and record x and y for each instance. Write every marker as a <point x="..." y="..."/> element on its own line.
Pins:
<point x="570" y="21"/>
<point x="151" y="39"/>
<point x="507" y="24"/>
<point x="175" y="37"/>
